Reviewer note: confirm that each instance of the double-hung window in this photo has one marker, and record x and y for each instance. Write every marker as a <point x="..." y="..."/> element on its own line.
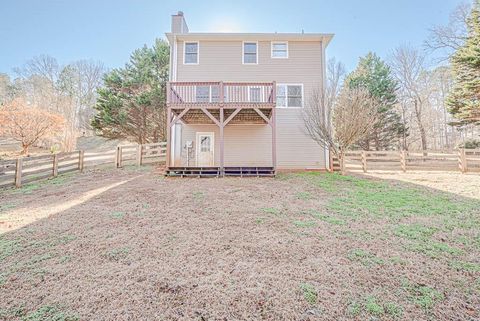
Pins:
<point x="190" y="53"/>
<point x="279" y="49"/>
<point x="250" y="53"/>
<point x="290" y="95"/>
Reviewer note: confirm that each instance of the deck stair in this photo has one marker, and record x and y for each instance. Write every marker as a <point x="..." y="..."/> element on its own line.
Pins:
<point x="216" y="172"/>
<point x="249" y="171"/>
<point x="193" y="172"/>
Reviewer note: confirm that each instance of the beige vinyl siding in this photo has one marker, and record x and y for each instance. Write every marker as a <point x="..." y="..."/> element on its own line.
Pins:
<point x="295" y="150"/>
<point x="245" y="145"/>
<point x="222" y="61"/>
<point x="250" y="145"/>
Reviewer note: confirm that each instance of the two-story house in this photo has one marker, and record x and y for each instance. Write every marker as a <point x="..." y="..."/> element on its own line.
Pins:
<point x="235" y="101"/>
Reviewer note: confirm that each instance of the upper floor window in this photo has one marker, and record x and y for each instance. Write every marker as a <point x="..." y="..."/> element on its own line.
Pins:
<point x="190" y="53"/>
<point x="290" y="95"/>
<point x="280" y="49"/>
<point x="250" y="52"/>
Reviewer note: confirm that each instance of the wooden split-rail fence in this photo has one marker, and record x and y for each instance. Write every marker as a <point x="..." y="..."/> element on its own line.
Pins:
<point x="15" y="172"/>
<point x="463" y="160"/>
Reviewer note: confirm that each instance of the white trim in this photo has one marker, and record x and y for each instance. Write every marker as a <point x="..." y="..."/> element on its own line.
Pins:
<point x="197" y="145"/>
<point x="243" y="53"/>
<point x="278" y="42"/>
<point x="324" y="78"/>
<point x="175" y="60"/>
<point x="286" y="96"/>
<point x="198" y="53"/>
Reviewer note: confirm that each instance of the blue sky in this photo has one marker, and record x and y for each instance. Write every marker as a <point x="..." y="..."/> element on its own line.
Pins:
<point x="110" y="30"/>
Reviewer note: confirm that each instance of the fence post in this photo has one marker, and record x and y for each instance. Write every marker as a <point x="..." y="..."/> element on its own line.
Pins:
<point x="364" y="161"/>
<point x="342" y="163"/>
<point x="81" y="157"/>
<point x="403" y="160"/>
<point x="139" y="154"/>
<point x="55" y="165"/>
<point x="118" y="157"/>
<point x="18" y="172"/>
<point x="330" y="155"/>
<point x="462" y="161"/>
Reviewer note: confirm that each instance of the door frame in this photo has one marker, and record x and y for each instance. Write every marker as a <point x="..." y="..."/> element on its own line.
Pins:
<point x="197" y="146"/>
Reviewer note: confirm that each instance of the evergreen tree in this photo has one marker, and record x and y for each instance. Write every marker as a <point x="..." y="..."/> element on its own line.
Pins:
<point x="464" y="99"/>
<point x="375" y="75"/>
<point x="132" y="104"/>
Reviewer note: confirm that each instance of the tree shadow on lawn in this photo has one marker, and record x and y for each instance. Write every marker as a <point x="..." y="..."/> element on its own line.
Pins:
<point x="33" y="201"/>
<point x="247" y="249"/>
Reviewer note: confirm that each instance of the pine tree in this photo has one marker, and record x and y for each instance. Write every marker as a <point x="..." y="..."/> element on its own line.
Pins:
<point x="375" y="75"/>
<point x="132" y="104"/>
<point x="464" y="99"/>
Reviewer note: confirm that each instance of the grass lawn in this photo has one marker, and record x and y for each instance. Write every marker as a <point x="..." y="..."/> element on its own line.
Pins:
<point x="130" y="245"/>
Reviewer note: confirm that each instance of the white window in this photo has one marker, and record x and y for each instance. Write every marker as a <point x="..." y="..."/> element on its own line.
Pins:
<point x="290" y="95"/>
<point x="280" y="49"/>
<point x="190" y="53"/>
<point x="250" y="53"/>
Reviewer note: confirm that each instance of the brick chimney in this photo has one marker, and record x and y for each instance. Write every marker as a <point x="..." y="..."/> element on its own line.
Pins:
<point x="179" y="25"/>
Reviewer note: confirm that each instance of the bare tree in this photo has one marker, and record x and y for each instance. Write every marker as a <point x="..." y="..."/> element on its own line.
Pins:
<point x="353" y="117"/>
<point x="448" y="38"/>
<point x="28" y="124"/>
<point x="66" y="90"/>
<point x="80" y="80"/>
<point x="408" y="65"/>
<point x="318" y="114"/>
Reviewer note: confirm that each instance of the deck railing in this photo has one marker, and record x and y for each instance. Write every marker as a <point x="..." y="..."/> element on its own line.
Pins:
<point x="179" y="93"/>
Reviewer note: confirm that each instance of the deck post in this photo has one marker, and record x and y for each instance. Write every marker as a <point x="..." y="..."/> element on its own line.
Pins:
<point x="221" y="129"/>
<point x="168" y="92"/>
<point x="274" y="124"/>
<point x="169" y="129"/>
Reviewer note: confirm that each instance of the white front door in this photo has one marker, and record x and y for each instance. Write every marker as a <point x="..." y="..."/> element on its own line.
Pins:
<point x="205" y="145"/>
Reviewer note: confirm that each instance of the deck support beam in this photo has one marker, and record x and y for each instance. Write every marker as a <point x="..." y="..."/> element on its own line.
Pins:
<point x="222" y="156"/>
<point x="265" y="118"/>
<point x="177" y="118"/>
<point x="206" y="112"/>
<point x="235" y="112"/>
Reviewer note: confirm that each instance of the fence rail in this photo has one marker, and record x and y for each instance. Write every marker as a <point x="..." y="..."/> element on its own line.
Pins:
<point x="15" y="172"/>
<point x="463" y="160"/>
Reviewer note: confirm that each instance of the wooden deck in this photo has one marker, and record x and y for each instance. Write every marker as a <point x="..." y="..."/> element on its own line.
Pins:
<point x="221" y="103"/>
<point x="217" y="172"/>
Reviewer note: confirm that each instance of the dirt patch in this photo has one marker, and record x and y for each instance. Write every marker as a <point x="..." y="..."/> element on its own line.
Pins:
<point x="467" y="184"/>
<point x="131" y="245"/>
